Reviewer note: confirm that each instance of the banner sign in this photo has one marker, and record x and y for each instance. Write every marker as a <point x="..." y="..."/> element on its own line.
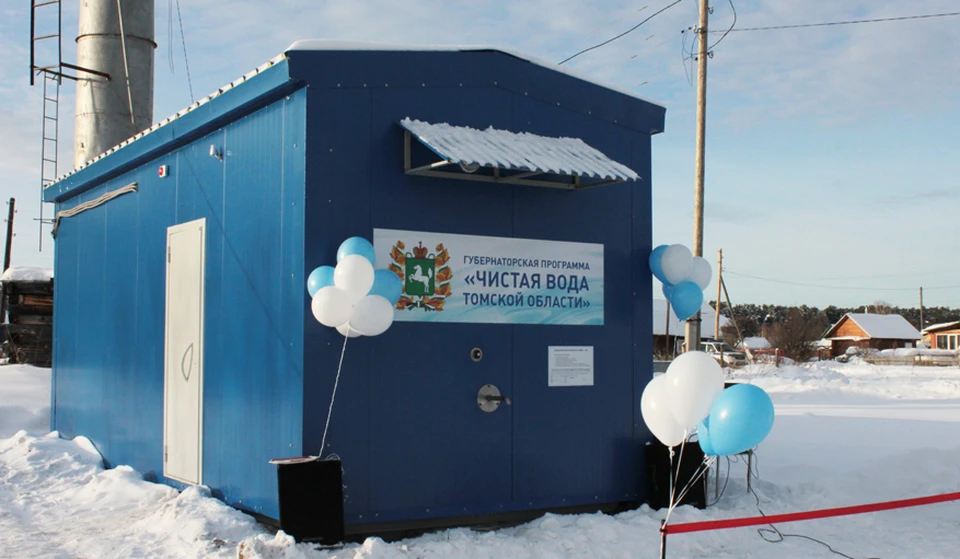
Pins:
<point x="467" y="278"/>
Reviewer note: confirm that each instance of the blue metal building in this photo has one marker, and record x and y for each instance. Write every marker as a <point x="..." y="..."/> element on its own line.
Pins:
<point x="183" y="253"/>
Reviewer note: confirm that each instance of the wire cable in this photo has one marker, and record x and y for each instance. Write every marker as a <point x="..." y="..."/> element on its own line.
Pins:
<point x="612" y="39"/>
<point x="767" y="533"/>
<point x="727" y="32"/>
<point x="725" y="481"/>
<point x="841" y="287"/>
<point x="850" y="22"/>
<point x="609" y="23"/>
<point x="186" y="61"/>
<point x="170" y="34"/>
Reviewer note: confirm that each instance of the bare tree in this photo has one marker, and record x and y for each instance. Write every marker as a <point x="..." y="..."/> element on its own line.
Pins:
<point x="796" y="334"/>
<point x="881" y="307"/>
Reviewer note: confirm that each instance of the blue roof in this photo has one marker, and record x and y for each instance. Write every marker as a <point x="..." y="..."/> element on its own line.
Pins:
<point x="333" y="64"/>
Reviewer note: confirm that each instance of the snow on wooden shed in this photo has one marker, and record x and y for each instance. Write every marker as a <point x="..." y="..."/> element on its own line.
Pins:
<point x="873" y="331"/>
<point x="185" y="346"/>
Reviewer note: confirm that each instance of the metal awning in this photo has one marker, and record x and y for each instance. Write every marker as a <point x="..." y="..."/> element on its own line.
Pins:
<point x="493" y="155"/>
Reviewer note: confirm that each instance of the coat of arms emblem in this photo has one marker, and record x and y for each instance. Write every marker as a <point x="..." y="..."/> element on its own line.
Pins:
<point x="426" y="276"/>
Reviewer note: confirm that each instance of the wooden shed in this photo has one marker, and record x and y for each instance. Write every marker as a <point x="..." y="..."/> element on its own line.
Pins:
<point x="873" y="331"/>
<point x="945" y="335"/>
<point x="27" y="333"/>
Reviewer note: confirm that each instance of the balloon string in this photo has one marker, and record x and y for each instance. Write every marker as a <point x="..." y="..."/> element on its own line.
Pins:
<point x="333" y="396"/>
<point x="702" y="469"/>
<point x="675" y="477"/>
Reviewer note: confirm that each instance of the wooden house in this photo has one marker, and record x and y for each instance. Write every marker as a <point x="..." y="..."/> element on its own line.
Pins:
<point x="945" y="335"/>
<point x="871" y="331"/>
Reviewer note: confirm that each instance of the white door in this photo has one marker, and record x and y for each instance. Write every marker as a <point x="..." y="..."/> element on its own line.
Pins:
<point x="183" y="353"/>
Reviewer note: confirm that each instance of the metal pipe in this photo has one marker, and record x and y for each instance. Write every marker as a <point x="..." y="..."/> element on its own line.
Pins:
<point x="104" y="115"/>
<point x="663" y="539"/>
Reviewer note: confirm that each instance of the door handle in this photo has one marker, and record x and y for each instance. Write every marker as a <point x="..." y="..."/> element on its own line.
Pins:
<point x="489" y="398"/>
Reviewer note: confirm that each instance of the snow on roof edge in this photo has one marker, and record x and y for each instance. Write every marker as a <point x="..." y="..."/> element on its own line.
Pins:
<point x="26" y="273"/>
<point x="941" y="325"/>
<point x="340" y="45"/>
<point x="175" y="116"/>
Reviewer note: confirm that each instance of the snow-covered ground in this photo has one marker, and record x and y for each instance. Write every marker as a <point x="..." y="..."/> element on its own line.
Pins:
<point x="845" y="434"/>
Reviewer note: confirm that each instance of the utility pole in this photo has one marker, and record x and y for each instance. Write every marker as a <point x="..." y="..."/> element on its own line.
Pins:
<point x="8" y="250"/>
<point x="921" y="308"/>
<point x="693" y="323"/>
<point x="716" y="317"/>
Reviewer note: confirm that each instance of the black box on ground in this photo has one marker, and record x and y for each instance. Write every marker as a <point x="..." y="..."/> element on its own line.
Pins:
<point x="659" y="474"/>
<point x="311" y="499"/>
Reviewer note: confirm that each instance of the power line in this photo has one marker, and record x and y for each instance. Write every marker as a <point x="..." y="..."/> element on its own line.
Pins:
<point x="628" y="31"/>
<point x="851" y="22"/>
<point x="913" y="275"/>
<point x="186" y="62"/>
<point x="727" y="32"/>
<point x="840" y="287"/>
<point x="609" y="23"/>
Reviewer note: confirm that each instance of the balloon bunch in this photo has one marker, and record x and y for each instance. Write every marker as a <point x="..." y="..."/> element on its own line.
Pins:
<point x="740" y="418"/>
<point x="691" y="395"/>
<point x="353" y="297"/>
<point x="684" y="277"/>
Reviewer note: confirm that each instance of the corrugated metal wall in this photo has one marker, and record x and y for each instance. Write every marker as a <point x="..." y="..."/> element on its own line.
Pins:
<point x="110" y="292"/>
<point x="406" y="425"/>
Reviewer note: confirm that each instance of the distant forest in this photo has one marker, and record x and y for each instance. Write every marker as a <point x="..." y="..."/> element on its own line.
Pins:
<point x="750" y="318"/>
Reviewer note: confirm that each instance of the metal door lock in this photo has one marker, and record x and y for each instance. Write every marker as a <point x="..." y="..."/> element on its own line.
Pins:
<point x="476" y="354"/>
<point x="489" y="398"/>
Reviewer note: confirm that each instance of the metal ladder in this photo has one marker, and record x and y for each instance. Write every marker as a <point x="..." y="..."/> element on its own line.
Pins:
<point x="52" y="76"/>
<point x="50" y="133"/>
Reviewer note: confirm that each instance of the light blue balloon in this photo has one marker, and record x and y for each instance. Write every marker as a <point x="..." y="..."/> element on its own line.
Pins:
<point x="357" y="245"/>
<point x="319" y="278"/>
<point x="667" y="289"/>
<point x="741" y="417"/>
<point x="686" y="298"/>
<point x="655" y="263"/>
<point x="703" y="437"/>
<point x="388" y="285"/>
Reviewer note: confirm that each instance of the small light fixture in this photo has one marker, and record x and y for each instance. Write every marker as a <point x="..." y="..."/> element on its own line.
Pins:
<point x="215" y="152"/>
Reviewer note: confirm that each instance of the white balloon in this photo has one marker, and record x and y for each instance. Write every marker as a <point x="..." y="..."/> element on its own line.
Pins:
<point x="347" y="331"/>
<point x="331" y="306"/>
<point x="700" y="272"/>
<point x="372" y="315"/>
<point x="354" y="275"/>
<point x="694" y="380"/>
<point x="656" y="413"/>
<point x="675" y="263"/>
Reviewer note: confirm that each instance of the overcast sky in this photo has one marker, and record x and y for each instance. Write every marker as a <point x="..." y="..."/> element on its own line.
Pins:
<point x="832" y="152"/>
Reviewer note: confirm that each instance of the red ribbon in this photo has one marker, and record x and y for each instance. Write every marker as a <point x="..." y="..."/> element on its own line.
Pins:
<point x="809" y="515"/>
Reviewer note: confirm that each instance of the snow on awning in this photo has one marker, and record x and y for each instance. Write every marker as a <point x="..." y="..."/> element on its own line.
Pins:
<point x="493" y="155"/>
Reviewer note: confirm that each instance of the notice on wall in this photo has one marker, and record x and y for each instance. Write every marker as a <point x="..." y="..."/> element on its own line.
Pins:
<point x="570" y="365"/>
<point x="477" y="279"/>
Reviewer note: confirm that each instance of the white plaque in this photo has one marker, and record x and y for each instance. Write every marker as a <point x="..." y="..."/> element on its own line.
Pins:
<point x="570" y="365"/>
